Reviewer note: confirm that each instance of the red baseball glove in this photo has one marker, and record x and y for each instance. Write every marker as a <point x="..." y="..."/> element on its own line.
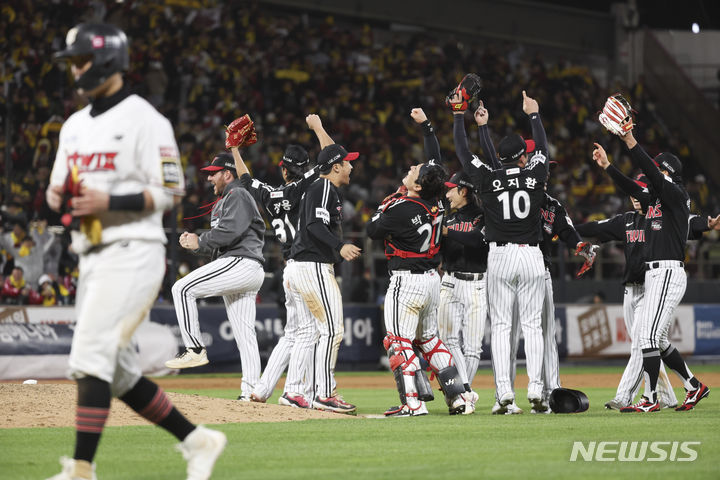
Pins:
<point x="241" y="133"/>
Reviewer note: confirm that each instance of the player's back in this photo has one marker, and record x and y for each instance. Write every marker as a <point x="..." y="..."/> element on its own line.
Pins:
<point x="512" y="198"/>
<point x="320" y="203"/>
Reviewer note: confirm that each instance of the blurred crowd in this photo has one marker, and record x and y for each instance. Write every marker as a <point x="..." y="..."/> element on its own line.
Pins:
<point x="202" y="67"/>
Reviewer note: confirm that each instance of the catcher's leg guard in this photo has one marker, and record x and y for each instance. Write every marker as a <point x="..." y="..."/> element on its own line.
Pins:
<point x="424" y="389"/>
<point x="451" y="383"/>
<point x="404" y="364"/>
<point x="396" y="367"/>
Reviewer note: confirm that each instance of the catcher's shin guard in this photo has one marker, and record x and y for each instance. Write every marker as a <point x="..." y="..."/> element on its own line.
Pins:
<point x="424" y="389"/>
<point x="450" y="383"/>
<point x="396" y="367"/>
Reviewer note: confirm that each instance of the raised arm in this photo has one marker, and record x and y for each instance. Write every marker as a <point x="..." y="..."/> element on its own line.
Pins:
<point x="315" y="124"/>
<point x="532" y="109"/>
<point x="604" y="230"/>
<point x="623" y="182"/>
<point x="482" y="116"/>
<point x="432" y="146"/>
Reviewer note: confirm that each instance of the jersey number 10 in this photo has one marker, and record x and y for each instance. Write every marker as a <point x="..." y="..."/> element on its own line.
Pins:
<point x="517" y="211"/>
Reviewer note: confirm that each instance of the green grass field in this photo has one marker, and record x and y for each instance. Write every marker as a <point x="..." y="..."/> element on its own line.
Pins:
<point x="435" y="446"/>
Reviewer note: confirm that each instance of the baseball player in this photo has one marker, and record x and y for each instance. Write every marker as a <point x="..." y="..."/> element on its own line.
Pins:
<point x="512" y="197"/>
<point x="317" y="246"/>
<point x="666" y="233"/>
<point x="118" y="161"/>
<point x="234" y="244"/>
<point x="555" y="222"/>
<point x="411" y="226"/>
<point x="282" y="205"/>
<point x="630" y="229"/>
<point x="463" y="296"/>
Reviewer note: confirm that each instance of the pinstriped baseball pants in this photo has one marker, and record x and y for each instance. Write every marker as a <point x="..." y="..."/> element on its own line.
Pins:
<point x="463" y="311"/>
<point x="316" y="285"/>
<point x="294" y="350"/>
<point x="664" y="289"/>
<point x="633" y="375"/>
<point x="516" y="274"/>
<point x="237" y="280"/>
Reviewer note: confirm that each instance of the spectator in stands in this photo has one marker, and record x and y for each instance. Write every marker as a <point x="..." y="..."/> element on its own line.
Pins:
<point x="26" y="249"/>
<point x="47" y="295"/>
<point x="16" y="290"/>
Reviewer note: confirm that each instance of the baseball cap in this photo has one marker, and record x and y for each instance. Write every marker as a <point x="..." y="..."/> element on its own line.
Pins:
<point x="668" y="161"/>
<point x="333" y="154"/>
<point x="296" y="156"/>
<point x="511" y="148"/>
<point x="460" y="179"/>
<point x="44" y="278"/>
<point x="642" y="180"/>
<point x="222" y="161"/>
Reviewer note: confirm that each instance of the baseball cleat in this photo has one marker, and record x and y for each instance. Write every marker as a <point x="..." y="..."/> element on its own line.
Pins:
<point x="244" y="398"/>
<point x="664" y="404"/>
<point x="643" y="406"/>
<point x="615" y="404"/>
<point x="693" y="397"/>
<point x="188" y="359"/>
<point x="334" y="404"/>
<point x="536" y="402"/>
<point x="254" y="397"/>
<point x="75" y="470"/>
<point x="201" y="449"/>
<point x="543" y="409"/>
<point x="293" y="400"/>
<point x="405" y="411"/>
<point x="511" y="409"/>
<point x="463" y="404"/>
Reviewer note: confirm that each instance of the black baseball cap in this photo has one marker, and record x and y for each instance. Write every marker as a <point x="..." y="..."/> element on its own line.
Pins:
<point x="671" y="163"/>
<point x="642" y="180"/>
<point x="460" y="179"/>
<point x="295" y="156"/>
<point x="511" y="148"/>
<point x="333" y="154"/>
<point x="222" y="161"/>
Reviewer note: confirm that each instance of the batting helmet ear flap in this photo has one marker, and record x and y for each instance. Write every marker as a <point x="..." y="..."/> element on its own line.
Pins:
<point x="566" y="400"/>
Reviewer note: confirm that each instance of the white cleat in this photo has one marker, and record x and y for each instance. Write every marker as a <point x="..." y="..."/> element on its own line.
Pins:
<point x="511" y="409"/>
<point x="544" y="408"/>
<point x="201" y="449"/>
<point x="75" y="470"/>
<point x="405" y="411"/>
<point x="536" y="401"/>
<point x="188" y="359"/>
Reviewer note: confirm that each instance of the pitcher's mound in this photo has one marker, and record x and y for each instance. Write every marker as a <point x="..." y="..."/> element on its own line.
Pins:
<point x="53" y="405"/>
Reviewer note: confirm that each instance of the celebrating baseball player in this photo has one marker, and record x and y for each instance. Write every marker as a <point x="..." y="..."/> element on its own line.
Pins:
<point x="234" y="243"/>
<point x="282" y="205"/>
<point x="512" y="197"/>
<point x="411" y="226"/>
<point x="462" y="309"/>
<point x="629" y="228"/>
<point x="666" y="233"/>
<point x="117" y="169"/>
<point x="555" y="222"/>
<point x="318" y="245"/>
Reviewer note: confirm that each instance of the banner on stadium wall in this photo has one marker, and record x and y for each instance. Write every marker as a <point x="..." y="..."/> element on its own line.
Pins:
<point x="599" y="330"/>
<point x="707" y="329"/>
<point x="362" y="339"/>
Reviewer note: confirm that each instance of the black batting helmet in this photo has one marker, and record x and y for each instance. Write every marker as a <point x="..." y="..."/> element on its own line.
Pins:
<point x="106" y="46"/>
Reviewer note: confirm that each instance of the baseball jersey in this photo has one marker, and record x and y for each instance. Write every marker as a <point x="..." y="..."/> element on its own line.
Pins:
<point x="630" y="187"/>
<point x="556" y="221"/>
<point x="236" y="227"/>
<point x="124" y="148"/>
<point x="464" y="248"/>
<point x="666" y="229"/>
<point x="281" y="204"/>
<point x="511" y="196"/>
<point x="319" y="231"/>
<point x="628" y="227"/>
<point x="413" y="225"/>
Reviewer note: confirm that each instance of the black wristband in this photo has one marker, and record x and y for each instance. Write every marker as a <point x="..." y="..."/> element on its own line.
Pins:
<point x="133" y="202"/>
<point x="427" y="128"/>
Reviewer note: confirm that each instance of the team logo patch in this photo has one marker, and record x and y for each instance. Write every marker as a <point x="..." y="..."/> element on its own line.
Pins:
<point x="98" y="41"/>
<point x="278" y="194"/>
<point x="171" y="169"/>
<point x="656" y="225"/>
<point x="322" y="214"/>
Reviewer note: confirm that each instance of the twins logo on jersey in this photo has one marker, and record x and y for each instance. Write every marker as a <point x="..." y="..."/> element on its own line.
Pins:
<point x="463" y="226"/>
<point x="92" y="161"/>
<point x="654" y="212"/>
<point x="633" y="236"/>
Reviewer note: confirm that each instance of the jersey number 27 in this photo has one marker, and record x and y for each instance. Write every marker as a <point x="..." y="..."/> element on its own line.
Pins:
<point x="426" y="231"/>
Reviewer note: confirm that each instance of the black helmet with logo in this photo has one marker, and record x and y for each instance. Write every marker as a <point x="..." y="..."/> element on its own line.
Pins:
<point x="106" y="46"/>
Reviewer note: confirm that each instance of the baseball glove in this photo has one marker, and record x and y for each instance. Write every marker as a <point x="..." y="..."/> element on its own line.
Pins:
<point x="468" y="88"/>
<point x="588" y="251"/>
<point x="616" y="115"/>
<point x="89" y="224"/>
<point x="240" y="133"/>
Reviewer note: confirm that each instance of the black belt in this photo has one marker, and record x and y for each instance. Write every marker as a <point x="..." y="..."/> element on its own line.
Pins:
<point x="413" y="272"/>
<point x="664" y="264"/>
<point x="502" y="244"/>
<point x="467" y="276"/>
